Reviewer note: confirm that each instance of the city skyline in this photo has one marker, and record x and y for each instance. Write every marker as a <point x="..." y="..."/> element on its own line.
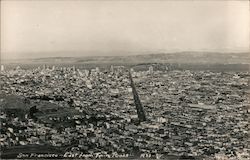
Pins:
<point x="34" y="29"/>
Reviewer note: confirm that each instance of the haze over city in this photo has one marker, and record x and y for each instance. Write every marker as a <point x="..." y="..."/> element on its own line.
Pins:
<point x="32" y="29"/>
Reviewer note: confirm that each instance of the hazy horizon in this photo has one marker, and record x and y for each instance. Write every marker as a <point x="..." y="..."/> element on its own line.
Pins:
<point x="127" y="54"/>
<point x="37" y="29"/>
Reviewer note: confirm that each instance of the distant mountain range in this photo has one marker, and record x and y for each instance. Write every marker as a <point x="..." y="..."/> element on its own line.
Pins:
<point x="178" y="57"/>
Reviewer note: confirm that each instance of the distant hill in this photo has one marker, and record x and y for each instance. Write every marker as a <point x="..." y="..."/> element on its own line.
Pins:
<point x="178" y="57"/>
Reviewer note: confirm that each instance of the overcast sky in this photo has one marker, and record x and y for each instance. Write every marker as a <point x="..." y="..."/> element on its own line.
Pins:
<point x="42" y="28"/>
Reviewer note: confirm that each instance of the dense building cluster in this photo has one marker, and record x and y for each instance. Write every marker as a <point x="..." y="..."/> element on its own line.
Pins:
<point x="190" y="113"/>
<point x="206" y="112"/>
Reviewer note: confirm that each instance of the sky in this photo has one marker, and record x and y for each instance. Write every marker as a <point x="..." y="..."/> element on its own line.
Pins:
<point x="32" y="29"/>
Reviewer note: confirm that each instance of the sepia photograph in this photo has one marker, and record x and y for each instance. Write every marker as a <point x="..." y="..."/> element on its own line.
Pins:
<point x="125" y="79"/>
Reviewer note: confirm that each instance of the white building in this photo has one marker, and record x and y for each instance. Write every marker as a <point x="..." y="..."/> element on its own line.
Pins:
<point x="86" y="72"/>
<point x="112" y="68"/>
<point x="18" y="68"/>
<point x="151" y="70"/>
<point x="88" y="84"/>
<point x="2" y="67"/>
<point x="132" y="70"/>
<point x="97" y="70"/>
<point x="167" y="68"/>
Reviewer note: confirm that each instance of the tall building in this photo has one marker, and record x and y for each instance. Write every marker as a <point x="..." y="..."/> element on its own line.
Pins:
<point x="2" y="67"/>
<point x="112" y="68"/>
<point x="44" y="67"/>
<point x="88" y="84"/>
<point x="151" y="70"/>
<point x="97" y="69"/>
<point x="86" y="73"/>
